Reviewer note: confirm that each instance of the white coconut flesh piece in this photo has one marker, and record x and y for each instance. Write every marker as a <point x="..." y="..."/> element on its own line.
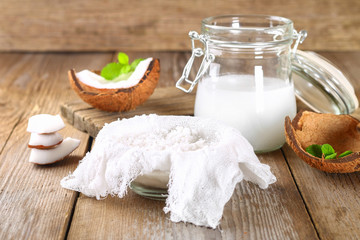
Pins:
<point x="45" y="123"/>
<point x="48" y="156"/>
<point x="94" y="80"/>
<point x="44" y="140"/>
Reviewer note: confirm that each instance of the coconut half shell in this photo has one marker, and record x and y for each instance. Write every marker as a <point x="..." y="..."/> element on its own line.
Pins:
<point x="118" y="99"/>
<point x="340" y="131"/>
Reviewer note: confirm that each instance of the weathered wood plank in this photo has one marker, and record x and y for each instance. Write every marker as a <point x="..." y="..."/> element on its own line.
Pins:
<point x="132" y="217"/>
<point x="164" y="101"/>
<point x="332" y="199"/>
<point x="161" y="25"/>
<point x="9" y="107"/>
<point x="252" y="213"/>
<point x="33" y="205"/>
<point x="275" y="213"/>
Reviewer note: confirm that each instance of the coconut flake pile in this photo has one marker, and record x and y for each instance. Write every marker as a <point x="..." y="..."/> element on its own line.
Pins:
<point x="206" y="160"/>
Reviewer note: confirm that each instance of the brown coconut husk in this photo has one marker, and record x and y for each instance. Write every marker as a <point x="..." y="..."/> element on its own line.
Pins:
<point x="118" y="99"/>
<point x="340" y="131"/>
<point x="44" y="147"/>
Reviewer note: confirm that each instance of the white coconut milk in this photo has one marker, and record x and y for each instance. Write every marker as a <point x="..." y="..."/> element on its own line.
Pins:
<point x="256" y="107"/>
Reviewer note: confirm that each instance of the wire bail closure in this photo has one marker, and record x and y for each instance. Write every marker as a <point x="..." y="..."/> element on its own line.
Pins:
<point x="300" y="38"/>
<point x="196" y="52"/>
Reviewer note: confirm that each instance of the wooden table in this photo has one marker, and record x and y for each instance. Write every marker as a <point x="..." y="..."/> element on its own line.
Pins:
<point x="303" y="204"/>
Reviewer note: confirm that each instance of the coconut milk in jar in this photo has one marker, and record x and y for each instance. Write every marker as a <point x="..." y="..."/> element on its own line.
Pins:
<point x="245" y="75"/>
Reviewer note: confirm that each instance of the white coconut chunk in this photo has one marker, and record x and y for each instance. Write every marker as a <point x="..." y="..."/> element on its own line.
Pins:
<point x="45" y="123"/>
<point x="94" y="80"/>
<point x="44" y="140"/>
<point x="47" y="156"/>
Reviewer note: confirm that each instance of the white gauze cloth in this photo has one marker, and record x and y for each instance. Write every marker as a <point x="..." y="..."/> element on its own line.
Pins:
<point x="206" y="160"/>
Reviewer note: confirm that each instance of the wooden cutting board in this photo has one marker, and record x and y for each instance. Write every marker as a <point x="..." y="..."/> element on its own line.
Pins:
<point x="164" y="101"/>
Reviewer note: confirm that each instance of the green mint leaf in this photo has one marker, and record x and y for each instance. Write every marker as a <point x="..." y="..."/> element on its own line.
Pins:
<point x="314" y="150"/>
<point x="331" y="156"/>
<point x="345" y="154"/>
<point x="135" y="63"/>
<point x="111" y="71"/>
<point x="121" y="70"/>
<point x="327" y="149"/>
<point x="125" y="69"/>
<point x="123" y="58"/>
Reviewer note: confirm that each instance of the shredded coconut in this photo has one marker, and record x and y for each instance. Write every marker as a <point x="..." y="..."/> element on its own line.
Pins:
<point x="206" y="160"/>
<point x="177" y="138"/>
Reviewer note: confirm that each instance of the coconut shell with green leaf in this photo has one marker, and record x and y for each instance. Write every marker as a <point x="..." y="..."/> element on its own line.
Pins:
<point x="119" y="86"/>
<point x="328" y="142"/>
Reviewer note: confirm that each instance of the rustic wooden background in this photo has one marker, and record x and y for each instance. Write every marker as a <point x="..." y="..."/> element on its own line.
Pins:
<point x="107" y="25"/>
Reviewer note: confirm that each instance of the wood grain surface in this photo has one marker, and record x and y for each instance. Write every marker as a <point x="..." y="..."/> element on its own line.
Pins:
<point x="304" y="203"/>
<point x="332" y="199"/>
<point x="33" y="205"/>
<point x="10" y="109"/>
<point x="95" y="25"/>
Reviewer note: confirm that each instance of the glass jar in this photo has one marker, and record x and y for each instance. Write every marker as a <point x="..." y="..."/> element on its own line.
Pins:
<point x="245" y="75"/>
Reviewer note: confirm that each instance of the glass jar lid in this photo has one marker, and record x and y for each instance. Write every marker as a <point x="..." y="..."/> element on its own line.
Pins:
<point x="321" y="85"/>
